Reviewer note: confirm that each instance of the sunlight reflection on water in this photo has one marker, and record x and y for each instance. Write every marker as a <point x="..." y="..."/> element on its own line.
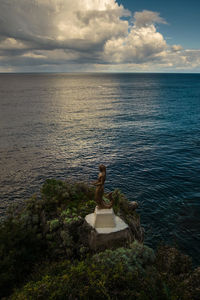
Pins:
<point x="143" y="127"/>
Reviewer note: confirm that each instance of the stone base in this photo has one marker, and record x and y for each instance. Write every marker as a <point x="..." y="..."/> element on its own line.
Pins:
<point x="103" y="218"/>
<point x="107" y="229"/>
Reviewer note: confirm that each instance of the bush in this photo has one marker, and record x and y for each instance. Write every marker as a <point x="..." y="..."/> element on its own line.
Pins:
<point x="43" y="228"/>
<point x="19" y="250"/>
<point x="113" y="274"/>
<point x="49" y="229"/>
<point x="119" y="273"/>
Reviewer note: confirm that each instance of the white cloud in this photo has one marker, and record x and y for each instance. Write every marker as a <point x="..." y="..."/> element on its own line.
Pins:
<point x="176" y="48"/>
<point x="92" y="33"/>
<point x="144" y="48"/>
<point x="146" y="18"/>
<point x="140" y="45"/>
<point x="56" y="23"/>
<point x="11" y="43"/>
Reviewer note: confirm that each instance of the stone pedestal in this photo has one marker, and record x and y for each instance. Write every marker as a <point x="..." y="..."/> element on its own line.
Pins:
<point x="103" y="218"/>
<point x="107" y="229"/>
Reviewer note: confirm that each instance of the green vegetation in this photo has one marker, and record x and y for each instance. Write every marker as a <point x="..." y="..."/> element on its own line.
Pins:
<point x="44" y="254"/>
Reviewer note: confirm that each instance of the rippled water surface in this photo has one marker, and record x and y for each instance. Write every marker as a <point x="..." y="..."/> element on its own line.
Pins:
<point x="144" y="127"/>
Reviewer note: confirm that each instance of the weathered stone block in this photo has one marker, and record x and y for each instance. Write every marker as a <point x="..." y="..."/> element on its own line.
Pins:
<point x="104" y="218"/>
<point x="107" y="230"/>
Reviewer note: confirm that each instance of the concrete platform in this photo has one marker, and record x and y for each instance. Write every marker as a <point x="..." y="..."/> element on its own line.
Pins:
<point x="107" y="229"/>
<point x="102" y="218"/>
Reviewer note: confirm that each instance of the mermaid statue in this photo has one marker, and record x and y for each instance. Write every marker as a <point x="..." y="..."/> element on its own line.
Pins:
<point x="101" y="203"/>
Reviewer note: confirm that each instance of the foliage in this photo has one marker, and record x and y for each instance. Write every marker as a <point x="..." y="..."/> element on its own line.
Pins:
<point x="131" y="273"/>
<point x="175" y="269"/>
<point x="58" y="195"/>
<point x="45" y="228"/>
<point x="19" y="249"/>
<point x="107" y="274"/>
<point x="137" y="257"/>
<point x="43" y="255"/>
<point x="122" y="208"/>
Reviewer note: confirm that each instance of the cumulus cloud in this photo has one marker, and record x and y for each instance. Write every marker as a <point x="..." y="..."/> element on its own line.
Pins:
<point x="48" y="34"/>
<point x="144" y="48"/>
<point x="176" y="48"/>
<point x="76" y="30"/>
<point x="140" y="45"/>
<point x="61" y="23"/>
<point x="146" y="18"/>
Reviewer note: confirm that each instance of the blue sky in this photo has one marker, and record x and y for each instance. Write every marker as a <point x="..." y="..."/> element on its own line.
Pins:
<point x="99" y="36"/>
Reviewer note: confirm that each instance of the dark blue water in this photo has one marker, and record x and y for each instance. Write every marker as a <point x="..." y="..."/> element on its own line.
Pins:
<point x="144" y="127"/>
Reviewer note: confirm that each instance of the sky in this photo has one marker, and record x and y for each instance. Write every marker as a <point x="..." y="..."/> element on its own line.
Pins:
<point x="99" y="36"/>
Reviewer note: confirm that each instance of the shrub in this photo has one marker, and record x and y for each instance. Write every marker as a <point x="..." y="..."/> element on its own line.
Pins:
<point x="20" y="248"/>
<point x="50" y="229"/>
<point x="44" y="228"/>
<point x="107" y="275"/>
<point x="118" y="274"/>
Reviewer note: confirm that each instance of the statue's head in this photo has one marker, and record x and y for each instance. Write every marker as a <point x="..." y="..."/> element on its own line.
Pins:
<point x="102" y="168"/>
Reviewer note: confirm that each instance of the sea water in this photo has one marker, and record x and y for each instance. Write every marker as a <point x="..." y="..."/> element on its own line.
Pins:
<point x="144" y="127"/>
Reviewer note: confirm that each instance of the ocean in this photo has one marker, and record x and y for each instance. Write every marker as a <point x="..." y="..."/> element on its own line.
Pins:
<point x="144" y="127"/>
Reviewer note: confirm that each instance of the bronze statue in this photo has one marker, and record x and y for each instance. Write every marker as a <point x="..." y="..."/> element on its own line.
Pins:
<point x="101" y="204"/>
